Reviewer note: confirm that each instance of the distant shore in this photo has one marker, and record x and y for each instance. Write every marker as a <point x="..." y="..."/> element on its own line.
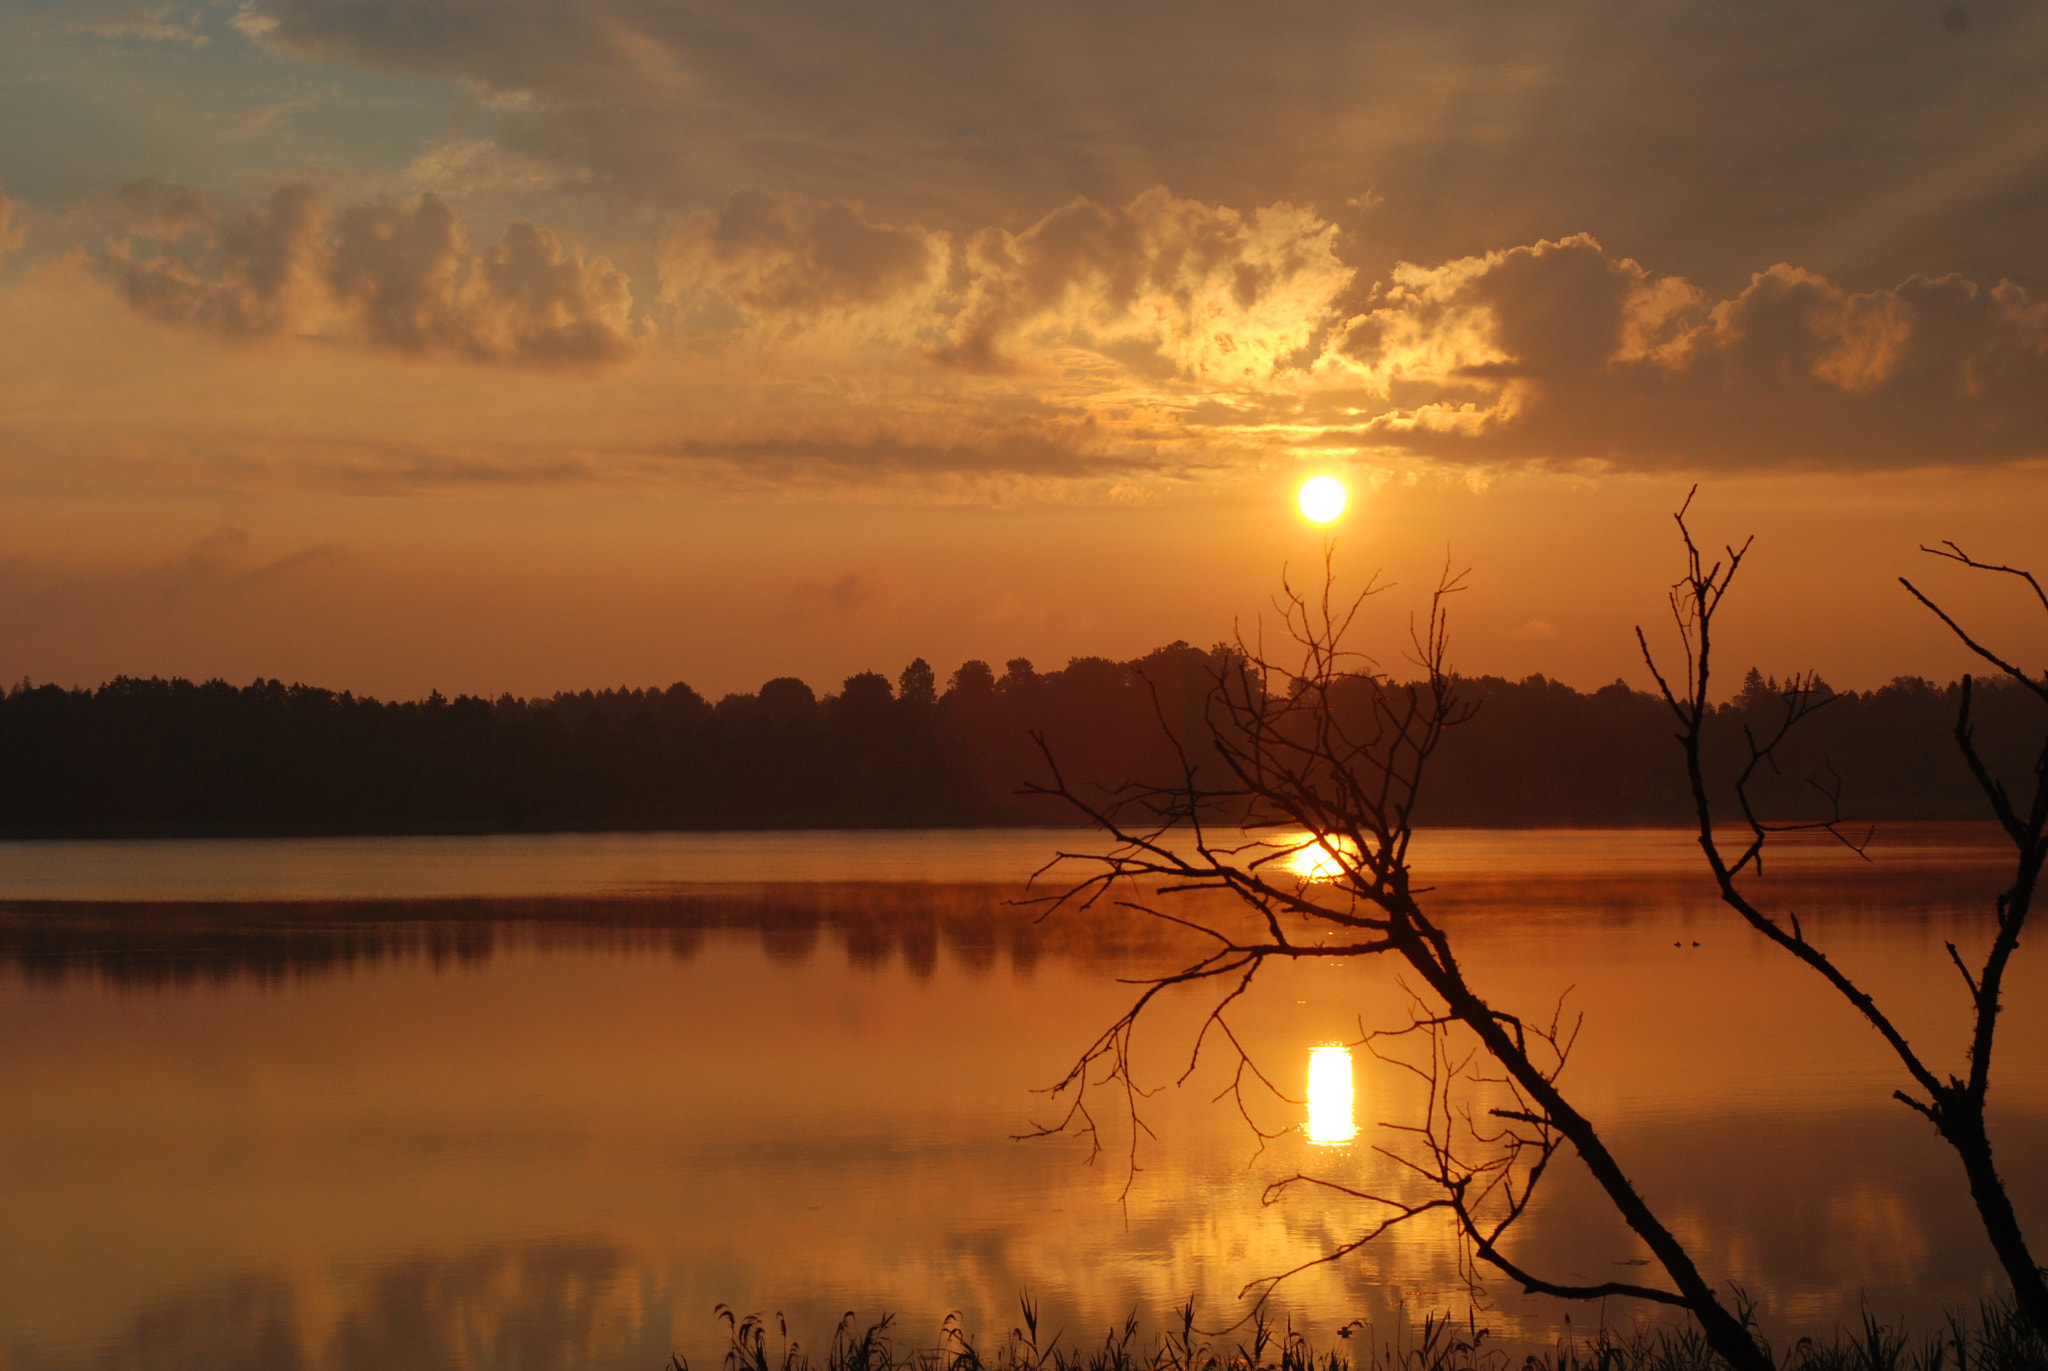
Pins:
<point x="154" y="758"/>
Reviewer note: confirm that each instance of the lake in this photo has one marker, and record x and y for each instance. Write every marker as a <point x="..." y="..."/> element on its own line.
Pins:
<point x="543" y="1102"/>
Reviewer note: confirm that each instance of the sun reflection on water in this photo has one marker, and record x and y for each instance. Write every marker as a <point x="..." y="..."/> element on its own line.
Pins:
<point x="1320" y="859"/>
<point x="1330" y="1120"/>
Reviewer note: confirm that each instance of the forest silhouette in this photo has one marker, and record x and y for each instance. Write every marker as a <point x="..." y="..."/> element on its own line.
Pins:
<point x="155" y="756"/>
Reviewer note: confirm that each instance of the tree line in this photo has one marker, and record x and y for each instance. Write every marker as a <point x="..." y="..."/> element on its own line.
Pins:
<point x="177" y="756"/>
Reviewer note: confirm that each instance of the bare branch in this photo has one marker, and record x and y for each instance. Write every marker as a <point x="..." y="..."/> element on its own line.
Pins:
<point x="1954" y="1105"/>
<point x="2038" y="687"/>
<point x="1321" y="779"/>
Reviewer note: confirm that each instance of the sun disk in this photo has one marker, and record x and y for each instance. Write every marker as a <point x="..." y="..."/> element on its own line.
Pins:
<point x="1322" y="499"/>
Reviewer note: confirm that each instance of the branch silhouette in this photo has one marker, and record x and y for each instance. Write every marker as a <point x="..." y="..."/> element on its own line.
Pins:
<point x="1324" y="756"/>
<point x="1954" y="1104"/>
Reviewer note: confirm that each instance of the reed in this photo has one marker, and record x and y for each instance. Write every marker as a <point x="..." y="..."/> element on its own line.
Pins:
<point x="1996" y="1339"/>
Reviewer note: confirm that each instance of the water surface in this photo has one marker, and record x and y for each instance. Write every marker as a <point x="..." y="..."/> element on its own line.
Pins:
<point x="503" y="1102"/>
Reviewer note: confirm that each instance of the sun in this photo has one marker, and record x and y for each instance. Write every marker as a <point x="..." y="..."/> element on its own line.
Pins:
<point x="1322" y="499"/>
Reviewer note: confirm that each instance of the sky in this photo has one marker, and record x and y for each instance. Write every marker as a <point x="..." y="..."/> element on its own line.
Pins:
<point x="527" y="345"/>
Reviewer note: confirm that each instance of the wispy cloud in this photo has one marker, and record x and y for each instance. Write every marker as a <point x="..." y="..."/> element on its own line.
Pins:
<point x="212" y="575"/>
<point x="836" y="597"/>
<point x="160" y="24"/>
<point x="473" y="168"/>
<point x="265" y="118"/>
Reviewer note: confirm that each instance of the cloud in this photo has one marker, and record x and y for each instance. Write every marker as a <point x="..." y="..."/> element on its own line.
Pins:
<point x="221" y="559"/>
<point x="1209" y="291"/>
<point x="215" y="573"/>
<point x="391" y="274"/>
<point x="1162" y="285"/>
<point x="1165" y="339"/>
<point x="401" y="272"/>
<point x="1475" y="126"/>
<point x="542" y="305"/>
<point x="252" y="275"/>
<point x="1175" y="326"/>
<point x="265" y="118"/>
<point x="470" y="169"/>
<point x="11" y="234"/>
<point x="836" y="597"/>
<point x="1561" y="352"/>
<point x="155" y="209"/>
<point x="790" y="262"/>
<point x="153" y="25"/>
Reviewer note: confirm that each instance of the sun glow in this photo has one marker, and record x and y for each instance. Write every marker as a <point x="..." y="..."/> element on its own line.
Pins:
<point x="1322" y="859"/>
<point x="1322" y="499"/>
<point x="1330" y="1120"/>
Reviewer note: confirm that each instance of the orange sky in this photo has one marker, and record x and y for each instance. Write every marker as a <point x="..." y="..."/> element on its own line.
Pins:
<point x="523" y="346"/>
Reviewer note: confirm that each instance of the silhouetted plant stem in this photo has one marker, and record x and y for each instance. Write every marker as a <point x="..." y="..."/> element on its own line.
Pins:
<point x="2000" y="1340"/>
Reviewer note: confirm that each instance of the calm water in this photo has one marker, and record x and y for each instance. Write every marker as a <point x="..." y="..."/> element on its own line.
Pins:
<point x="536" y="1103"/>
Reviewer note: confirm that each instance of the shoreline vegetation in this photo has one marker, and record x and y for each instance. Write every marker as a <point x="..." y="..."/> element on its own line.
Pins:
<point x="1996" y="1339"/>
<point x="155" y="757"/>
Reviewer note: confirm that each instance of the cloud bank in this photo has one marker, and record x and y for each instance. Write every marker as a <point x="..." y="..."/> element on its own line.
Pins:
<point x="1864" y="138"/>
<point x="1165" y="286"/>
<point x="1562" y="352"/>
<point x="391" y="274"/>
<point x="1166" y="334"/>
<point x="1217" y="321"/>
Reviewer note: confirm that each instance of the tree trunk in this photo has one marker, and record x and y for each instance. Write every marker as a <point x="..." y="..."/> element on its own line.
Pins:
<point x="1724" y="1332"/>
<point x="1965" y="1132"/>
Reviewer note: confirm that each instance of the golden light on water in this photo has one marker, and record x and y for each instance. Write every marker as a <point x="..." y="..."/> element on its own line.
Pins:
<point x="1321" y="859"/>
<point x="1322" y="499"/>
<point x="1330" y="1120"/>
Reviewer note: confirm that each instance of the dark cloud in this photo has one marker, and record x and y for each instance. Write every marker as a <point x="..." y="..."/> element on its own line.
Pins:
<point x="250" y="278"/>
<point x="784" y="255"/>
<point x="1165" y="334"/>
<point x="552" y="306"/>
<point x="393" y="274"/>
<point x="1708" y="134"/>
<point x="1561" y="352"/>
<point x="157" y="209"/>
<point x="1179" y="334"/>
<point x="10" y="235"/>
<point x="398" y="267"/>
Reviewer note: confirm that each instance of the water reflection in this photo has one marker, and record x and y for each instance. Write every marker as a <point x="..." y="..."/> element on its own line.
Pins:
<point x="547" y="1305"/>
<point x="306" y="1143"/>
<point x="169" y="945"/>
<point x="1316" y="861"/>
<point x="1330" y="1114"/>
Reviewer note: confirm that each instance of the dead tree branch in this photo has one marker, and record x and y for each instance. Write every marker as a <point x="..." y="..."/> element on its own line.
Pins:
<point x="1953" y="1103"/>
<point x="1325" y="755"/>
